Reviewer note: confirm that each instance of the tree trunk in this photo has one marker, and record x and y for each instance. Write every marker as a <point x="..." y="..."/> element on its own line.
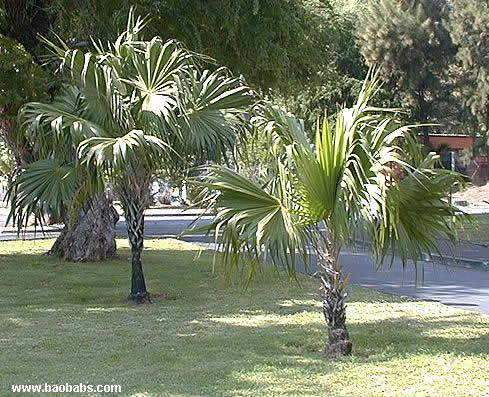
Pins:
<point x="333" y="289"/>
<point x="135" y="199"/>
<point x="423" y="114"/>
<point x="91" y="237"/>
<point x="135" y="231"/>
<point x="334" y="310"/>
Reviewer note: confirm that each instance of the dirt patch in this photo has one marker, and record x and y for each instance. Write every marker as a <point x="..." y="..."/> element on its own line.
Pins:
<point x="475" y="195"/>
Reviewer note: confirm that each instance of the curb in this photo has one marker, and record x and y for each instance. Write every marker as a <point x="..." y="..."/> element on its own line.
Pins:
<point x="446" y="260"/>
<point x="188" y="214"/>
<point x="39" y="231"/>
<point x="459" y="262"/>
<point x="433" y="258"/>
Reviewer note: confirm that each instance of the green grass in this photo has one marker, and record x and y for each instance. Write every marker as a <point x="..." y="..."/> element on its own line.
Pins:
<point x="477" y="231"/>
<point x="69" y="323"/>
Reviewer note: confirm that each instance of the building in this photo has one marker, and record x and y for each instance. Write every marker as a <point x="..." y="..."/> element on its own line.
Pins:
<point x="445" y="145"/>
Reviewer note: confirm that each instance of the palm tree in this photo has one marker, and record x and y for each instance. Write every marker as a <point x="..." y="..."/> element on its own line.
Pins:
<point x="129" y="110"/>
<point x="363" y="174"/>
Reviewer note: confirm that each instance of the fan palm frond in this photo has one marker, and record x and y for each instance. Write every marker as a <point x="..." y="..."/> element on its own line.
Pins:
<point x="209" y="104"/>
<point x="252" y="223"/>
<point x="44" y="187"/>
<point x="114" y="155"/>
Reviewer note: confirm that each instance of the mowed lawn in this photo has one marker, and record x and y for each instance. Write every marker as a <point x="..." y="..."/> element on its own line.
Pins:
<point x="69" y="323"/>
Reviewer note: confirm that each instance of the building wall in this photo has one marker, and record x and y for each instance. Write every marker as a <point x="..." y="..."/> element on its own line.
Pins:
<point x="453" y="141"/>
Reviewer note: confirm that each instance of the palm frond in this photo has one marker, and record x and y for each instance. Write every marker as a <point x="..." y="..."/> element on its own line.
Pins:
<point x="208" y="105"/>
<point x="154" y="68"/>
<point x="252" y="224"/>
<point x="283" y="129"/>
<point x="100" y="83"/>
<point x="347" y="181"/>
<point x="58" y="126"/>
<point x="44" y="187"/>
<point x="116" y="155"/>
<point x="417" y="213"/>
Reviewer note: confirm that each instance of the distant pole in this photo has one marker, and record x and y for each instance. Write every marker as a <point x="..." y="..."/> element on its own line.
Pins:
<point x="184" y="192"/>
<point x="452" y="166"/>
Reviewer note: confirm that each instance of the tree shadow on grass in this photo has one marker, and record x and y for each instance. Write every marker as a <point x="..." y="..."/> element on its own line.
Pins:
<point x="265" y="350"/>
<point x="212" y="340"/>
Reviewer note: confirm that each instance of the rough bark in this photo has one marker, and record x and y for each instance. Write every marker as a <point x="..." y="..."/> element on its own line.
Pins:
<point x="333" y="289"/>
<point x="334" y="310"/>
<point x="135" y="197"/>
<point x="92" y="236"/>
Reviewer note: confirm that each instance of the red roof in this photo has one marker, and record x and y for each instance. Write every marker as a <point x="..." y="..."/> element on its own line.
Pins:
<point x="453" y="141"/>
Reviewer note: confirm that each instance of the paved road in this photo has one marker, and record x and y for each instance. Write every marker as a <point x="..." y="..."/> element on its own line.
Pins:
<point x="165" y="225"/>
<point x="173" y="224"/>
<point x="3" y="217"/>
<point x="450" y="285"/>
<point x="454" y="286"/>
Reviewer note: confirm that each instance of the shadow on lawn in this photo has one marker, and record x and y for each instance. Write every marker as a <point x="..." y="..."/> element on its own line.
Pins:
<point x="460" y="334"/>
<point x="265" y="354"/>
<point x="211" y="336"/>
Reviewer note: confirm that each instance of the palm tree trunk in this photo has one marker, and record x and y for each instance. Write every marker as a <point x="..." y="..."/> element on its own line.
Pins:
<point x="333" y="289"/>
<point x="134" y="203"/>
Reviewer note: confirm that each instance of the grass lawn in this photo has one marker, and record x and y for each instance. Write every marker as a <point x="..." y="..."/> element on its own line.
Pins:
<point x="477" y="231"/>
<point x="69" y="323"/>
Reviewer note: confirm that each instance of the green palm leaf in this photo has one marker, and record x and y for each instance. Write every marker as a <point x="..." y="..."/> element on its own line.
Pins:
<point x="253" y="222"/>
<point x="208" y="107"/>
<point x="44" y="187"/>
<point x="115" y="155"/>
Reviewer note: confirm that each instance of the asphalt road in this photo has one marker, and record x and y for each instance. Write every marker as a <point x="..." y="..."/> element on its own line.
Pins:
<point x="455" y="286"/>
<point x="166" y="225"/>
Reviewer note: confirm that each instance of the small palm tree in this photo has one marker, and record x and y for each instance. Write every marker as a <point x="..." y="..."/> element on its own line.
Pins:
<point x="317" y="197"/>
<point x="129" y="110"/>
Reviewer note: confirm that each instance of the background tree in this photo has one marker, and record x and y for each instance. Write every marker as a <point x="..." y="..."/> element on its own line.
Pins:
<point x="322" y="195"/>
<point x="273" y="44"/>
<point x="469" y="28"/>
<point x="24" y="20"/>
<point x="409" y="40"/>
<point x="340" y="79"/>
<point x="22" y="79"/>
<point x="7" y="167"/>
<point x="130" y="109"/>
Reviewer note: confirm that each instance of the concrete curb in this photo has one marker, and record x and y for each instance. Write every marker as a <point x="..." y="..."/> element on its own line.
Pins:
<point x="446" y="260"/>
<point x="434" y="258"/>
<point x="49" y="229"/>
<point x="459" y="262"/>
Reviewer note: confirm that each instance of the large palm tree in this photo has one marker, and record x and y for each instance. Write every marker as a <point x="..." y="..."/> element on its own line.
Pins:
<point x="364" y="174"/>
<point x="129" y="109"/>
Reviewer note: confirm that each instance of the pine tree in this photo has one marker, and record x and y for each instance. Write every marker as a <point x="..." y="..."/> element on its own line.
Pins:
<point x="409" y="41"/>
<point x="469" y="28"/>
